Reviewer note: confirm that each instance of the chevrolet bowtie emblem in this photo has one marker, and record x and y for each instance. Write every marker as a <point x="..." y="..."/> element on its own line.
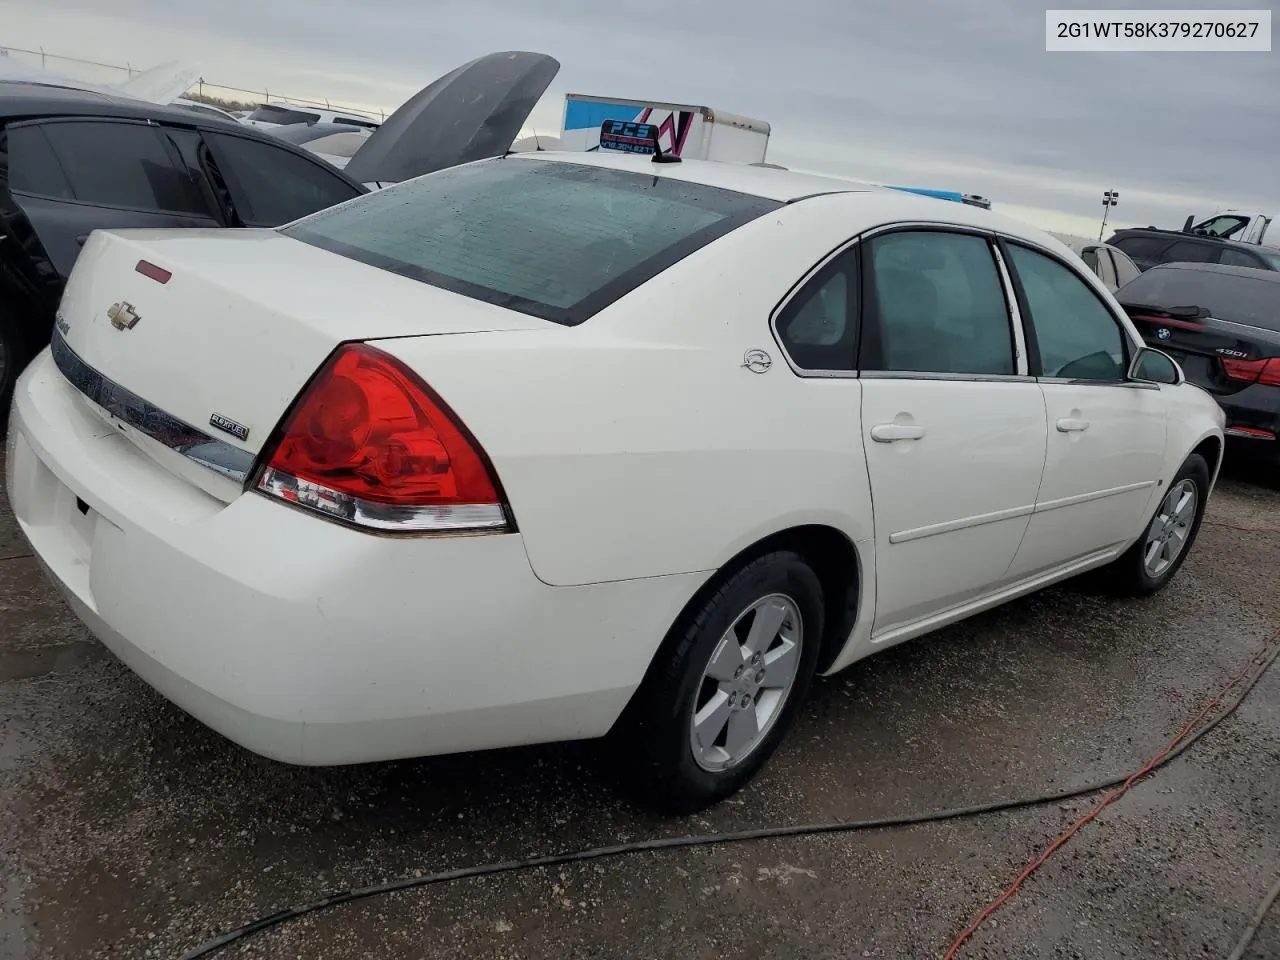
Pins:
<point x="123" y="316"/>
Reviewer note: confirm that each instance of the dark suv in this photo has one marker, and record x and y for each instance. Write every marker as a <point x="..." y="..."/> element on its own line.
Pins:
<point x="1149" y="246"/>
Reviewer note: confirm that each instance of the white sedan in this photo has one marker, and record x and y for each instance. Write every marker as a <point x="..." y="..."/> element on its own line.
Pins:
<point x="550" y="447"/>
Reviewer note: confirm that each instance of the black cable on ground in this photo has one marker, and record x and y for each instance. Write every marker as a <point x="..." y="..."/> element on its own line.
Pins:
<point x="1264" y="658"/>
<point x="1251" y="931"/>
<point x="16" y="556"/>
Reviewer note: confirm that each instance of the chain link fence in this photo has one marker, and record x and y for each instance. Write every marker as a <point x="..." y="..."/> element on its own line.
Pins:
<point x="224" y="95"/>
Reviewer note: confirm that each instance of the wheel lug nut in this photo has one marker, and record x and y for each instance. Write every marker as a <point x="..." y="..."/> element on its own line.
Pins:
<point x="760" y="677"/>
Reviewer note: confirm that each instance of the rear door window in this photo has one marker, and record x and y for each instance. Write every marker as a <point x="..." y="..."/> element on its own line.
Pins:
<point x="1188" y="251"/>
<point x="109" y="163"/>
<point x="33" y="168"/>
<point x="938" y="305"/>
<point x="122" y="164"/>
<point x="271" y="185"/>
<point x="1238" y="258"/>
<point x="554" y="240"/>
<point x="1142" y="248"/>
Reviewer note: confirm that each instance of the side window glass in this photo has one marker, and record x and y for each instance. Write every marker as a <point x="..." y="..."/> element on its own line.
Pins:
<point x="939" y="304"/>
<point x="1090" y="258"/>
<point x="1078" y="337"/>
<point x="1188" y="251"/>
<point x="818" y="326"/>
<point x="32" y="166"/>
<point x="1235" y="258"/>
<point x="123" y="165"/>
<point x="270" y="185"/>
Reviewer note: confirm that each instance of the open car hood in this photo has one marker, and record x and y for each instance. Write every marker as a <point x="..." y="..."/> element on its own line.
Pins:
<point x="471" y="113"/>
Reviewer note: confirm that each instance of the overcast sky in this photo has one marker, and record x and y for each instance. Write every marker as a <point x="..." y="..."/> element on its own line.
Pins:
<point x="954" y="94"/>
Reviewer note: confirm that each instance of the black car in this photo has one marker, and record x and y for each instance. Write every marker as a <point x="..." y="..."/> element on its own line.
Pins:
<point x="1222" y="324"/>
<point x="74" y="161"/>
<point x="1150" y="246"/>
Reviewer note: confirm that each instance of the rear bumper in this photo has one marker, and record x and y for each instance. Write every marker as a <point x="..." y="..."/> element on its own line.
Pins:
<point x="306" y="641"/>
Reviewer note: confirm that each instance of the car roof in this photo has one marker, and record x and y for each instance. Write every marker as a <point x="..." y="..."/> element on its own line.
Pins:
<point x="21" y="99"/>
<point x="789" y="186"/>
<point x="767" y="182"/>
<point x="1254" y="273"/>
<point x="1178" y="234"/>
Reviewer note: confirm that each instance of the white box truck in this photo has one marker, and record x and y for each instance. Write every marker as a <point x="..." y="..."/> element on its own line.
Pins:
<point x="685" y="130"/>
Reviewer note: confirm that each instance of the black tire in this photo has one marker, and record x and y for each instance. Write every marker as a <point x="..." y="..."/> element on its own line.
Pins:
<point x="1128" y="574"/>
<point x="654" y="751"/>
<point x="13" y="355"/>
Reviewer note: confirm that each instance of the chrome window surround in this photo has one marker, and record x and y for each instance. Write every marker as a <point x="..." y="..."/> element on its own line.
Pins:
<point x="1015" y="312"/>
<point x="126" y="406"/>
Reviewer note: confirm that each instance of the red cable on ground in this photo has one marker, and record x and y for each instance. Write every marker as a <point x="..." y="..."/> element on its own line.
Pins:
<point x="1236" y="526"/>
<point x="1106" y="801"/>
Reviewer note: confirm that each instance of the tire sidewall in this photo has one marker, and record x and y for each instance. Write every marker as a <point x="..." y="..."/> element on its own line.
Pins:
<point x="1195" y="469"/>
<point x="670" y="710"/>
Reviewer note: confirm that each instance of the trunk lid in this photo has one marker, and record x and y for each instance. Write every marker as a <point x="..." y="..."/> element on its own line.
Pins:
<point x="473" y="112"/>
<point x="197" y="370"/>
<point x="1202" y="344"/>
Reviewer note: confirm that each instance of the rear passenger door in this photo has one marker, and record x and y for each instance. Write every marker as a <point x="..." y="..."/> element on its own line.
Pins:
<point x="953" y="427"/>
<point x="71" y="177"/>
<point x="1106" y="435"/>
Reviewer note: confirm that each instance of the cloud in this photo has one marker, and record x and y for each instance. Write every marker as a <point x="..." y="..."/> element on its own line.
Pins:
<point x="947" y="93"/>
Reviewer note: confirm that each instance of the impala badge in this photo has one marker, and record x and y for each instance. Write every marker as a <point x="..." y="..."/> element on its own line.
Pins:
<point x="123" y="316"/>
<point x="227" y="425"/>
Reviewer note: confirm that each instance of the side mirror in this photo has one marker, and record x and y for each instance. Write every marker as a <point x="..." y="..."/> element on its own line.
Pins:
<point x="1186" y="224"/>
<point x="1153" y="366"/>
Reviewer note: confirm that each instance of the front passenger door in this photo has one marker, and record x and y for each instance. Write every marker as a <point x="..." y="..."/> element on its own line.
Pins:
<point x="952" y="427"/>
<point x="1106" y="435"/>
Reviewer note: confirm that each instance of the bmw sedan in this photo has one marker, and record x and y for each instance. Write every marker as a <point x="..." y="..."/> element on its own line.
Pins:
<point x="565" y="446"/>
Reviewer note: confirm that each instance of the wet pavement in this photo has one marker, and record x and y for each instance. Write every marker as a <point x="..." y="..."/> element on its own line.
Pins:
<point x="129" y="830"/>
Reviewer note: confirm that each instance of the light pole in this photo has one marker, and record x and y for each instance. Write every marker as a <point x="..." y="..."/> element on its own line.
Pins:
<point x="1109" y="199"/>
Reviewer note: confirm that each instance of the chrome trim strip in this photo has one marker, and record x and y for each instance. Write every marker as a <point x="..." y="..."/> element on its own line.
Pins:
<point x="950" y="526"/>
<point x="959" y="377"/>
<point x="1095" y="495"/>
<point x="1113" y="384"/>
<point x="148" y="419"/>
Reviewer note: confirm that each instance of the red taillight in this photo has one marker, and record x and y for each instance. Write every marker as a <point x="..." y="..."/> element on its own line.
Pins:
<point x="368" y="442"/>
<point x="1254" y="371"/>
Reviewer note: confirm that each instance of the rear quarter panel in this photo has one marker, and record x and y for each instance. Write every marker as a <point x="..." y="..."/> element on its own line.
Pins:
<point x="637" y="444"/>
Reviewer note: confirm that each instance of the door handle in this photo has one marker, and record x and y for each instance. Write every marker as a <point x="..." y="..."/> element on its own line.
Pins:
<point x="1072" y="425"/>
<point x="889" y="432"/>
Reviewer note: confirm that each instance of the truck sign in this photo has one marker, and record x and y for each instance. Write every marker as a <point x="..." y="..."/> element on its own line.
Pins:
<point x="627" y="136"/>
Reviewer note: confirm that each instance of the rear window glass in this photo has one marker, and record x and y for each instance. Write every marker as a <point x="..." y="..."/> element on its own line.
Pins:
<point x="555" y="240"/>
<point x="1254" y="300"/>
<point x="273" y="114"/>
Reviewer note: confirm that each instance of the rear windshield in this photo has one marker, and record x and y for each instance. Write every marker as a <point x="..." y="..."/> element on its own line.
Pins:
<point x="1227" y="296"/>
<point x="555" y="240"/>
<point x="274" y="114"/>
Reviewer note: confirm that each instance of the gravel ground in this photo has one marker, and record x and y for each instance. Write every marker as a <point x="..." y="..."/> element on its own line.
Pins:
<point x="127" y="829"/>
